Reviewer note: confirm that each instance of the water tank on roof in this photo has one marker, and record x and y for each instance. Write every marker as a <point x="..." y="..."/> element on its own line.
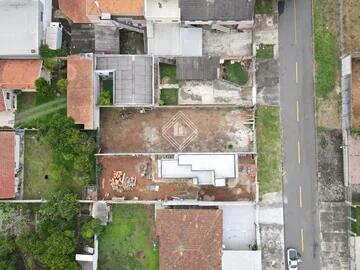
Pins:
<point x="54" y="35"/>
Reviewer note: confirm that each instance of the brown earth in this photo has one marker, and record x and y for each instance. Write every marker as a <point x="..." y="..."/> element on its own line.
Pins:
<point x="144" y="168"/>
<point x="169" y="130"/>
<point x="355" y="93"/>
<point x="352" y="25"/>
<point x="329" y="111"/>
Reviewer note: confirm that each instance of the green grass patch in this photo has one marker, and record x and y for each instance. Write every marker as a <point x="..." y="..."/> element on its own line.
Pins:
<point x="126" y="242"/>
<point x="355" y="213"/>
<point x="263" y="6"/>
<point x="169" y="96"/>
<point x="168" y="73"/>
<point x="41" y="175"/>
<point x="325" y="54"/>
<point x="235" y="73"/>
<point x="268" y="148"/>
<point x="25" y="101"/>
<point x="265" y="51"/>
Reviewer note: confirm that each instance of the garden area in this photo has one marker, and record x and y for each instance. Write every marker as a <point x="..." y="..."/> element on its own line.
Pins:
<point x="235" y="73"/>
<point x="265" y="51"/>
<point x="58" y="157"/>
<point x="169" y="96"/>
<point x="106" y="94"/>
<point x="127" y="242"/>
<point x="268" y="148"/>
<point x="167" y="74"/>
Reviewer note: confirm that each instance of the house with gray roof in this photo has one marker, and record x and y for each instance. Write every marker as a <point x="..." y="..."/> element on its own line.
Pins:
<point x="23" y="27"/>
<point x="217" y="11"/>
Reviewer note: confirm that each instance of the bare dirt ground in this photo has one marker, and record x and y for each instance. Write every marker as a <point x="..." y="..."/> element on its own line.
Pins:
<point x="330" y="183"/>
<point x="176" y="130"/>
<point x="145" y="170"/>
<point x="328" y="111"/>
<point x="355" y="92"/>
<point x="351" y="25"/>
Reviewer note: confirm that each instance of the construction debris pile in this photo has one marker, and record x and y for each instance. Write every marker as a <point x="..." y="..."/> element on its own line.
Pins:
<point x="121" y="182"/>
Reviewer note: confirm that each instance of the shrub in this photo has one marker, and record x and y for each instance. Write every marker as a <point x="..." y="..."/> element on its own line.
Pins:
<point x="46" y="52"/>
<point x="105" y="98"/>
<point x="50" y="64"/>
<point x="62" y="85"/>
<point x="89" y="229"/>
<point x="44" y="92"/>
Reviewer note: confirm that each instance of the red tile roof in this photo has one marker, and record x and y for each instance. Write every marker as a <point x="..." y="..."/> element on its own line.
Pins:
<point x="7" y="164"/>
<point x="19" y="74"/>
<point x="2" y="103"/>
<point x="80" y="11"/>
<point x="190" y="239"/>
<point x="80" y="94"/>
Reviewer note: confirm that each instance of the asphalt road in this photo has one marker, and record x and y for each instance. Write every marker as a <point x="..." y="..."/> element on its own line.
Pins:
<point x="298" y="131"/>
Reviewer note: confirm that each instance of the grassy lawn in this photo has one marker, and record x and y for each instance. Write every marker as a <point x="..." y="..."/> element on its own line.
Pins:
<point x="268" y="148"/>
<point x="126" y="241"/>
<point x="263" y="7"/>
<point x="25" y="101"/>
<point x="355" y="213"/>
<point x="169" y="96"/>
<point x="168" y="73"/>
<point x="235" y="73"/>
<point x="325" y="39"/>
<point x="265" y="51"/>
<point x="38" y="164"/>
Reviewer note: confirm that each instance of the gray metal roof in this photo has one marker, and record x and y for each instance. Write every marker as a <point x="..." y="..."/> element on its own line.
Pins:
<point x="218" y="10"/>
<point x="133" y="77"/>
<point x="82" y="38"/>
<point x="20" y="27"/>
<point x="197" y="68"/>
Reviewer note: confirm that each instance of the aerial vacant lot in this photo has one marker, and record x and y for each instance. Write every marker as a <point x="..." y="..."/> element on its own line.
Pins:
<point x="172" y="130"/>
<point x="144" y="169"/>
<point x="128" y="241"/>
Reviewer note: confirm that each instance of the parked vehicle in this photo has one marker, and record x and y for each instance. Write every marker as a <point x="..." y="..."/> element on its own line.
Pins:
<point x="293" y="259"/>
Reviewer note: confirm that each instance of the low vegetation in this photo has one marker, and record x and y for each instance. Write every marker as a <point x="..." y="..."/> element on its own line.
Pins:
<point x="169" y="96"/>
<point x="326" y="57"/>
<point x="167" y="73"/>
<point x="265" y="51"/>
<point x="46" y="52"/>
<point x="58" y="157"/>
<point x="126" y="241"/>
<point x="264" y="6"/>
<point x="355" y="212"/>
<point x="235" y="73"/>
<point x="269" y="149"/>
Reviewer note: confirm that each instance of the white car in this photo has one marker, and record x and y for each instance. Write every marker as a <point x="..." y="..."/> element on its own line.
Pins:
<point x="293" y="259"/>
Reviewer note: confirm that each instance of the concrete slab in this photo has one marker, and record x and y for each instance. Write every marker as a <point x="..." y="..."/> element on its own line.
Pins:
<point x="239" y="226"/>
<point x="214" y="92"/>
<point x="237" y="44"/>
<point x="267" y="82"/>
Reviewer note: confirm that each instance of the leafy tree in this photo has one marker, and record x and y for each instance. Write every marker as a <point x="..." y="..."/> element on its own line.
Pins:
<point x="72" y="149"/>
<point x="54" y="242"/>
<point x="7" y="253"/>
<point x="105" y="98"/>
<point x="60" y="207"/>
<point x="89" y="229"/>
<point x="50" y="64"/>
<point x="44" y="92"/>
<point x="46" y="52"/>
<point x="62" y="86"/>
